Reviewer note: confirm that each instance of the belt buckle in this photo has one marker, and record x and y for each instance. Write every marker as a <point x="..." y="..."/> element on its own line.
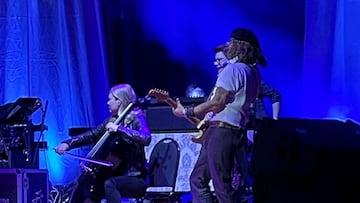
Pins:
<point x="227" y="125"/>
<point x="223" y="125"/>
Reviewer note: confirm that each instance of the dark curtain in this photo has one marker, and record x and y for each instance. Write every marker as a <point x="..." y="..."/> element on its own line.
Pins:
<point x="312" y="48"/>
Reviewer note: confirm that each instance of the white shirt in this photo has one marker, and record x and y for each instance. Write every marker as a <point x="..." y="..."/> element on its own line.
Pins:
<point x="243" y="82"/>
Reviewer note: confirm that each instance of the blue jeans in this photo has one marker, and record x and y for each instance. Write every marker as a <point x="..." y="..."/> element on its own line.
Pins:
<point x="216" y="161"/>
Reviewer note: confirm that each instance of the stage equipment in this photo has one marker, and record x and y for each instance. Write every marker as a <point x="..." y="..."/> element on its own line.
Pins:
<point x="19" y="150"/>
<point x="24" y="185"/>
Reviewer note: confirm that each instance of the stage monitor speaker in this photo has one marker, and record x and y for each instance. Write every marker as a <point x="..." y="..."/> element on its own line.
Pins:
<point x="305" y="160"/>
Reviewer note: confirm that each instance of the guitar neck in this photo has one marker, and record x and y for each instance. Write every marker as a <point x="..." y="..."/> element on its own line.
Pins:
<point x="173" y="104"/>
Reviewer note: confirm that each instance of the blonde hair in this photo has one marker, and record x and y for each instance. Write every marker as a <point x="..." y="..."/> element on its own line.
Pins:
<point x="124" y="92"/>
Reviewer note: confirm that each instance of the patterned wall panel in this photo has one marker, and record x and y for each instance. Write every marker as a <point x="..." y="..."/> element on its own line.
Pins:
<point x="189" y="152"/>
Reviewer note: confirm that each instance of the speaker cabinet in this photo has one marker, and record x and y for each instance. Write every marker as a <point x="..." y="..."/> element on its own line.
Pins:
<point x="305" y="160"/>
<point x="162" y="119"/>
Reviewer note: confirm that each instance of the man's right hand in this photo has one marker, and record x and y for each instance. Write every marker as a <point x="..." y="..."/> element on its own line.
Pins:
<point x="61" y="148"/>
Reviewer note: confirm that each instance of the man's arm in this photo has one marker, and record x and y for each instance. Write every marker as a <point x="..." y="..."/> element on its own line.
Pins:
<point x="216" y="104"/>
<point x="275" y="97"/>
<point x="276" y="110"/>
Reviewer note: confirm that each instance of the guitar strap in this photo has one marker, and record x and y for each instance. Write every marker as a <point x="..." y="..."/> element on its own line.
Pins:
<point x="212" y="93"/>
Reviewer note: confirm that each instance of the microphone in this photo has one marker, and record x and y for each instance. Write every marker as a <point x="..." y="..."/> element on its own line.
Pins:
<point x="42" y="127"/>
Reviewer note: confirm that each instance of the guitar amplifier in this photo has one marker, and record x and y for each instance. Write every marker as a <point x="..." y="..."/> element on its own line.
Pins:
<point x="23" y="185"/>
<point x="162" y="119"/>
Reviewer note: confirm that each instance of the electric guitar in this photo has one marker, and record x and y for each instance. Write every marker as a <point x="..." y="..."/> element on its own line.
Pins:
<point x="201" y="125"/>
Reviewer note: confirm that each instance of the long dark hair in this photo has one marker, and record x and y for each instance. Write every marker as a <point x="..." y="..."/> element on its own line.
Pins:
<point x="221" y="48"/>
<point x="244" y="51"/>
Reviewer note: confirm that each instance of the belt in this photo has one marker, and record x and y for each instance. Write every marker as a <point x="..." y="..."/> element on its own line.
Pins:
<point x="221" y="124"/>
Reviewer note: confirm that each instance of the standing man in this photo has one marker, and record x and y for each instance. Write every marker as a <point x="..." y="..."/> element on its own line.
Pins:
<point x="236" y="87"/>
<point x="258" y="112"/>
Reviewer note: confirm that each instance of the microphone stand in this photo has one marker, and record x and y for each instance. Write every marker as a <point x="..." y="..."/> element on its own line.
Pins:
<point x="42" y="128"/>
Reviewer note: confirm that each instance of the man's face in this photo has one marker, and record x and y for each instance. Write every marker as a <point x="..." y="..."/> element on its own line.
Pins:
<point x="220" y="60"/>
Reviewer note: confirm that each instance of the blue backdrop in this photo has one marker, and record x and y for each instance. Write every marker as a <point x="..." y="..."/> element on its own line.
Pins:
<point x="69" y="52"/>
<point x="54" y="50"/>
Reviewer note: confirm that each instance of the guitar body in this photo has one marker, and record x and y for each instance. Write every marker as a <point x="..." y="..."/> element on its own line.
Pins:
<point x="162" y="95"/>
<point x="199" y="137"/>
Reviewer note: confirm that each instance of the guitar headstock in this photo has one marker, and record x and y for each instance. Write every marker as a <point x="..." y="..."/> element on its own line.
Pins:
<point x="159" y="94"/>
